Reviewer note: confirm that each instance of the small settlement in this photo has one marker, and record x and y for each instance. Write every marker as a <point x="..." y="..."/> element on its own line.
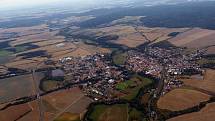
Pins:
<point x="99" y="76"/>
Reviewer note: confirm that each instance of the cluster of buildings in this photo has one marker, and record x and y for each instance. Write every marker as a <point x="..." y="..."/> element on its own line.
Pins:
<point x="141" y="62"/>
<point x="172" y="84"/>
<point x="98" y="72"/>
<point x="154" y="59"/>
<point x="164" y="63"/>
<point x="100" y="75"/>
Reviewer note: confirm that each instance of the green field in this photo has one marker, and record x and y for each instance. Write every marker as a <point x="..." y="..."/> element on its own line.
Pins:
<point x="20" y="48"/>
<point x="118" y="112"/>
<point x="135" y="115"/>
<point x="4" y="53"/>
<point x="137" y="83"/>
<point x="48" y="85"/>
<point x="98" y="111"/>
<point x="206" y="61"/>
<point x="120" y="58"/>
<point x="124" y="85"/>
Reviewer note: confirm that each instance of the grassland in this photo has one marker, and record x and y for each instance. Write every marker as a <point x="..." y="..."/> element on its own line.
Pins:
<point x="119" y="58"/>
<point x="124" y="85"/>
<point x="48" y="85"/>
<point x="131" y="87"/>
<point x="135" y="115"/>
<point x="180" y="99"/>
<point x="117" y="112"/>
<point x="141" y="83"/>
<point x="4" y="53"/>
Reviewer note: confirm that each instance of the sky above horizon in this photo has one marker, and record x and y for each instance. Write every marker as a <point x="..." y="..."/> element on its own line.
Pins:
<point x="19" y="3"/>
<point x="11" y="4"/>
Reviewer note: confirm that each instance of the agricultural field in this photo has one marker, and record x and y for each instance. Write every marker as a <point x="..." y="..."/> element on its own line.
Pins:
<point x="56" y="106"/>
<point x="119" y="58"/>
<point x="68" y="117"/>
<point x="117" y="112"/>
<point x="130" y="88"/>
<point x="206" y="84"/>
<point x="23" y="112"/>
<point x="8" y="92"/>
<point x="48" y="85"/>
<point x="206" y="114"/>
<point x="195" y="38"/>
<point x="30" y="46"/>
<point x="17" y="112"/>
<point x="211" y="50"/>
<point x="180" y="99"/>
<point x="70" y="101"/>
<point x="126" y="34"/>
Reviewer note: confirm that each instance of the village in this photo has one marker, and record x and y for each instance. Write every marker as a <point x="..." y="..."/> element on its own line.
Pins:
<point x="100" y="76"/>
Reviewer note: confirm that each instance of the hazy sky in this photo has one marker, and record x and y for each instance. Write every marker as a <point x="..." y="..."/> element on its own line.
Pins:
<point x="18" y="3"/>
<point x="10" y="4"/>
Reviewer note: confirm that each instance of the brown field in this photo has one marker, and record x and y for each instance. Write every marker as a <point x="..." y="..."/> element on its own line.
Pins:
<point x="131" y="36"/>
<point x="33" y="115"/>
<point x="206" y="114"/>
<point x="131" y="40"/>
<point x="53" y="45"/>
<point x="211" y="50"/>
<point x="180" y="99"/>
<point x="208" y="83"/>
<point x="80" y="50"/>
<point x="16" y="112"/>
<point x="17" y="87"/>
<point x="54" y="105"/>
<point x="72" y="101"/>
<point x="68" y="117"/>
<point x="195" y="38"/>
<point x="80" y="106"/>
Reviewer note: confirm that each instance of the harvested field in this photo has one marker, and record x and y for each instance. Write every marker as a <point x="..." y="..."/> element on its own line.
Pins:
<point x="80" y="50"/>
<point x="131" y="40"/>
<point x="58" y="103"/>
<point x="208" y="82"/>
<point x="68" y="117"/>
<point x="17" y="112"/>
<point x="34" y="114"/>
<point x="195" y="38"/>
<point x="211" y="50"/>
<point x="8" y="92"/>
<point x="54" y="106"/>
<point x="206" y="114"/>
<point x="180" y="99"/>
<point x="80" y="106"/>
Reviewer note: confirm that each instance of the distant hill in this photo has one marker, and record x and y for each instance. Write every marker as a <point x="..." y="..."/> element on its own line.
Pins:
<point x="192" y="14"/>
